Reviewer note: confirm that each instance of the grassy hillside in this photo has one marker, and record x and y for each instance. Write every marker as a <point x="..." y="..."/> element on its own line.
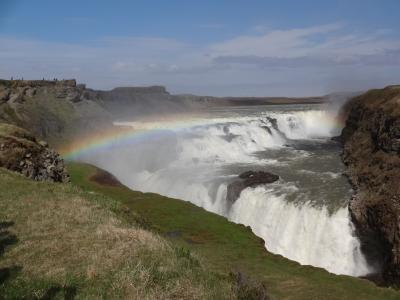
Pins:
<point x="224" y="246"/>
<point x="60" y="242"/>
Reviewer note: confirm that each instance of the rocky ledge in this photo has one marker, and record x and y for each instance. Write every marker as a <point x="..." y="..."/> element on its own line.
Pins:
<point x="371" y="152"/>
<point x="248" y="179"/>
<point x="21" y="152"/>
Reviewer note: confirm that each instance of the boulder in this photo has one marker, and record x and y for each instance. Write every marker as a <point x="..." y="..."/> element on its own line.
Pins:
<point x="248" y="179"/>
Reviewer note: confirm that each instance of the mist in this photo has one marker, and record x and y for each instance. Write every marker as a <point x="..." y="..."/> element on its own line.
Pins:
<point x="195" y="154"/>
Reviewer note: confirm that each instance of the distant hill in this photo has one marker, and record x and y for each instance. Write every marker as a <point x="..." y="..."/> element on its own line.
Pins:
<point x="55" y="110"/>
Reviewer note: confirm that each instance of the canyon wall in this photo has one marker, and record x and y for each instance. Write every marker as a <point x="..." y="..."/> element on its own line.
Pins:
<point x="371" y="141"/>
<point x="59" y="110"/>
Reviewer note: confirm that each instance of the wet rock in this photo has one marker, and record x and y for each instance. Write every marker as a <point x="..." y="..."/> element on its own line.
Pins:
<point x="274" y="124"/>
<point x="248" y="179"/>
<point x="337" y="139"/>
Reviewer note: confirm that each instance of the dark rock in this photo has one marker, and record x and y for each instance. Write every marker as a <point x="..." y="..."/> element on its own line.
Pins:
<point x="20" y="152"/>
<point x="371" y="151"/>
<point x="337" y="139"/>
<point x="248" y="179"/>
<point x="274" y="125"/>
<point x="267" y="129"/>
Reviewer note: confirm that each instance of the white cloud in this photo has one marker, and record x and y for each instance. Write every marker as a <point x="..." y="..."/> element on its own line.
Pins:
<point x="284" y="43"/>
<point x="282" y="62"/>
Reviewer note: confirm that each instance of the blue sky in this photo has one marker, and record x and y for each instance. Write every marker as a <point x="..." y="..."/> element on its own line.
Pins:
<point x="292" y="48"/>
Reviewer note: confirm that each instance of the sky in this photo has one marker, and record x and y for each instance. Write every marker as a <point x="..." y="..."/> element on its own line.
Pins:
<point x="208" y="47"/>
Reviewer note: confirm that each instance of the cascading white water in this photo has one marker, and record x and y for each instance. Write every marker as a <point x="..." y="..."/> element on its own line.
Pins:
<point x="197" y="164"/>
<point x="306" y="124"/>
<point x="303" y="233"/>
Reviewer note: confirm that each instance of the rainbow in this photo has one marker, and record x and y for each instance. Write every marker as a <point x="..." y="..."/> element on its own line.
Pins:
<point x="128" y="133"/>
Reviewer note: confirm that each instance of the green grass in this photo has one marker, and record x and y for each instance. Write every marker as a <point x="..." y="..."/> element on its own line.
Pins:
<point x="58" y="241"/>
<point x="224" y="246"/>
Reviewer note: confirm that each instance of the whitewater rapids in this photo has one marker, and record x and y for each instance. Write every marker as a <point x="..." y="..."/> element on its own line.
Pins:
<point x="303" y="216"/>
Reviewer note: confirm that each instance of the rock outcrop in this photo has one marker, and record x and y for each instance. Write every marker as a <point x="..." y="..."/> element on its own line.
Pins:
<point x="371" y="151"/>
<point x="248" y="179"/>
<point x="21" y="152"/>
<point x="56" y="111"/>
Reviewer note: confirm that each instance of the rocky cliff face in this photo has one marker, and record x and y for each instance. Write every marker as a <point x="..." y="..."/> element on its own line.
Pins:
<point x="128" y="102"/>
<point x="21" y="152"/>
<point x="371" y="140"/>
<point x="61" y="110"/>
<point x="51" y="110"/>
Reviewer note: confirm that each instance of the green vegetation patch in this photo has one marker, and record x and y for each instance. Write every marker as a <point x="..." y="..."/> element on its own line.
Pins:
<point x="226" y="247"/>
<point x="60" y="242"/>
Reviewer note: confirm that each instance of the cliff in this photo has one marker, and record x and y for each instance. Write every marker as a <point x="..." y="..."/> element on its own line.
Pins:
<point x="62" y="109"/>
<point x="52" y="110"/>
<point x="128" y="102"/>
<point x="22" y="153"/>
<point x="371" y="140"/>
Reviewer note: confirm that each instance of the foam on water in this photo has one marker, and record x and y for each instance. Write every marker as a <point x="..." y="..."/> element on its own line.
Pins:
<point x="192" y="165"/>
<point x="303" y="233"/>
<point x="307" y="124"/>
